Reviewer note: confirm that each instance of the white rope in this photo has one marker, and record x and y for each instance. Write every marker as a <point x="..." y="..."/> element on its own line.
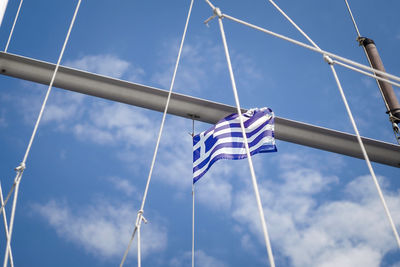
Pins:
<point x="323" y="52"/>
<point x="129" y="246"/>
<point x="335" y="61"/>
<point x="371" y="170"/>
<point x="6" y="225"/>
<point x="352" y="18"/>
<point x="338" y="62"/>
<point x="294" y="24"/>
<point x="20" y="169"/>
<point x="8" y="246"/>
<point x="12" y="29"/>
<point x="8" y="196"/>
<point x="367" y="74"/>
<point x="138" y="247"/>
<point x="365" y="52"/>
<point x="140" y="215"/>
<point x="218" y="13"/>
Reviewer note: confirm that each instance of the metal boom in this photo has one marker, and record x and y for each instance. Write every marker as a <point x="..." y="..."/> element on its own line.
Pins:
<point x="191" y="107"/>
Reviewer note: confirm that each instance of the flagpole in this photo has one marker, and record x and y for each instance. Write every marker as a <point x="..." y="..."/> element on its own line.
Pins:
<point x="192" y="202"/>
<point x="192" y="225"/>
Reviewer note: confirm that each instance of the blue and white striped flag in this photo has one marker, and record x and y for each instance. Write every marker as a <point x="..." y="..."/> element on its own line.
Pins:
<point x="225" y="140"/>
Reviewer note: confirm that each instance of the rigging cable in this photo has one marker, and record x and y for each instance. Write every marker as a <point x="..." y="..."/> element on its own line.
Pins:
<point x="371" y="170"/>
<point x="323" y="52"/>
<point x="20" y="169"/>
<point x="9" y="194"/>
<point x="5" y="225"/>
<point x="140" y="217"/>
<point x="217" y="13"/>
<point x="13" y="26"/>
<point x="392" y="117"/>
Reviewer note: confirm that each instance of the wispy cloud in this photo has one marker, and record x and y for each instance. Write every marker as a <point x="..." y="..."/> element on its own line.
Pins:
<point x="202" y="259"/>
<point x="315" y="231"/>
<point x="102" y="229"/>
<point x="215" y="192"/>
<point x="64" y="106"/>
<point x="111" y="123"/>
<point x="109" y="65"/>
<point x="122" y="185"/>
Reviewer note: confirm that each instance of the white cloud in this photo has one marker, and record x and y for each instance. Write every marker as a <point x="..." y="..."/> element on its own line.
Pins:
<point x="68" y="107"/>
<point x="247" y="243"/>
<point x="316" y="231"/>
<point x="122" y="185"/>
<point x="108" y="65"/>
<point x="88" y="132"/>
<point x="63" y="106"/>
<point x="112" y="123"/>
<point x="202" y="259"/>
<point x="215" y="190"/>
<point x="102" y="229"/>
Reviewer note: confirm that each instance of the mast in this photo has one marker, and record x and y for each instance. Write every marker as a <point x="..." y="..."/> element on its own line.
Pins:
<point x="389" y="97"/>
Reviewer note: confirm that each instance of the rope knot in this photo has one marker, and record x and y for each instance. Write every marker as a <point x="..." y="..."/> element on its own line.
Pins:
<point x="218" y="13"/>
<point x="328" y="60"/>
<point x="396" y="128"/>
<point x="21" y="167"/>
<point x="140" y="218"/>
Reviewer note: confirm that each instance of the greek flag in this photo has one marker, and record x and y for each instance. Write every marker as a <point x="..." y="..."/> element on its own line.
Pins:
<point x="225" y="140"/>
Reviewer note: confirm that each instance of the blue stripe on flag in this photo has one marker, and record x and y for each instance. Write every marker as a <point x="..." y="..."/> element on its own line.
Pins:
<point x="210" y="141"/>
<point x="233" y="145"/>
<point x="263" y="149"/>
<point x="225" y="140"/>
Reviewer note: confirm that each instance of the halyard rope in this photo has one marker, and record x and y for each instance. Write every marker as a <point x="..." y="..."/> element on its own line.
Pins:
<point x="323" y="52"/>
<point x="20" y="169"/>
<point x="371" y="170"/>
<point x="140" y="213"/>
<point x="13" y="26"/>
<point x="6" y="225"/>
<point x="218" y="13"/>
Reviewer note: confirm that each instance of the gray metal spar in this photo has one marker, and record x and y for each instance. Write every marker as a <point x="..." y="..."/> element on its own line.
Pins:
<point x="188" y="107"/>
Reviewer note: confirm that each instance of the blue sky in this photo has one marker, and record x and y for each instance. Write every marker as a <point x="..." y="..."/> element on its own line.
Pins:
<point x="87" y="169"/>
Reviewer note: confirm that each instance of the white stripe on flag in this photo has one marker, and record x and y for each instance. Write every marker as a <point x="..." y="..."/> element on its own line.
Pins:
<point x="228" y="140"/>
<point x="233" y="151"/>
<point x="232" y="147"/>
